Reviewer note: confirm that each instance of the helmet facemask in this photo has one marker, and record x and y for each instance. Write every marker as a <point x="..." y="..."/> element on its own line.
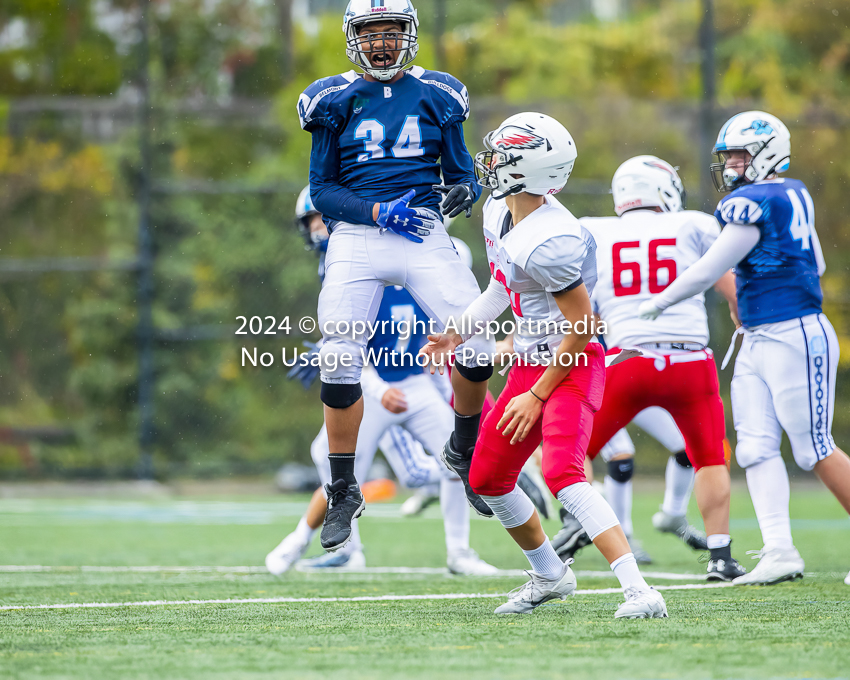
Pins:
<point x="366" y="50"/>
<point x="492" y="170"/>
<point x="728" y="180"/>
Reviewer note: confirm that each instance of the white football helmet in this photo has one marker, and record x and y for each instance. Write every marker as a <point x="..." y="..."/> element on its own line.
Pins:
<point x="359" y="50"/>
<point x="764" y="136"/>
<point x="529" y="152"/>
<point x="647" y="182"/>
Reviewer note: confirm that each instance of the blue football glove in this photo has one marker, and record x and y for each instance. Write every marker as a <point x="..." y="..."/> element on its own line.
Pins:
<point x="398" y="216"/>
<point x="458" y="198"/>
<point x="308" y="373"/>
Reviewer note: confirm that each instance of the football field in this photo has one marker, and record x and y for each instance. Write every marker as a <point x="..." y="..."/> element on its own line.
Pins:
<point x="174" y="588"/>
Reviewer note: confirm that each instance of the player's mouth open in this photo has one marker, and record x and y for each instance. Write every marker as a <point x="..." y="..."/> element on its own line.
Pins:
<point x="382" y="59"/>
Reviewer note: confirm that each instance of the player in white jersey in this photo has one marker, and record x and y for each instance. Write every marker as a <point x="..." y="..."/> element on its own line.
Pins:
<point x="543" y="266"/>
<point x="639" y="253"/>
<point x="786" y="369"/>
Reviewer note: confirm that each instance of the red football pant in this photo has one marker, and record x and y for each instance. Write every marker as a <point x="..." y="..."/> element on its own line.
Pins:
<point x="564" y="428"/>
<point x="683" y="384"/>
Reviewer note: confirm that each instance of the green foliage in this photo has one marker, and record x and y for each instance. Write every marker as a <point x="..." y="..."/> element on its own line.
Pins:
<point x="68" y="347"/>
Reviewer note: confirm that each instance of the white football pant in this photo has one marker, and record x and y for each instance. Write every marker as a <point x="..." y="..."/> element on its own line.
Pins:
<point x="360" y="262"/>
<point x="785" y="380"/>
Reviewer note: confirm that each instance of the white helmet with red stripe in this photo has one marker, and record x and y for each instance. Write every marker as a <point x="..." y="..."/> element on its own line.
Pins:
<point x="529" y="152"/>
<point x="647" y="182"/>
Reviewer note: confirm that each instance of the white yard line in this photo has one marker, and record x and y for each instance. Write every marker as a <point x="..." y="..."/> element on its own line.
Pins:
<point x="435" y="571"/>
<point x="315" y="600"/>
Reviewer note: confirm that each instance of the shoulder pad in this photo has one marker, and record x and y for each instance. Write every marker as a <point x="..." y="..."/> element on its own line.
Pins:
<point x="451" y="88"/>
<point x="742" y="206"/>
<point x="314" y="103"/>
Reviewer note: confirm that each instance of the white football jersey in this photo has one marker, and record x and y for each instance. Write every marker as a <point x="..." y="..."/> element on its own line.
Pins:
<point x="640" y="254"/>
<point x="545" y="253"/>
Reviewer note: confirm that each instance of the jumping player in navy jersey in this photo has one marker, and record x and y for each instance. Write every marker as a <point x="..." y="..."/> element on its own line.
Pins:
<point x="404" y="409"/>
<point x="785" y="372"/>
<point x="382" y="142"/>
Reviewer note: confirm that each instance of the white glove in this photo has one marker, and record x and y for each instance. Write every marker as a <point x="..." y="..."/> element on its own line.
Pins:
<point x="648" y="310"/>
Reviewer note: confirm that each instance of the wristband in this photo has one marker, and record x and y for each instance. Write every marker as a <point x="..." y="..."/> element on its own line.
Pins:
<point x="542" y="401"/>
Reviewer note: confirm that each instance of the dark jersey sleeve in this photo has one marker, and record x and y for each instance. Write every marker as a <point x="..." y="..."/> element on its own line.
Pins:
<point x="331" y="199"/>
<point x="455" y="159"/>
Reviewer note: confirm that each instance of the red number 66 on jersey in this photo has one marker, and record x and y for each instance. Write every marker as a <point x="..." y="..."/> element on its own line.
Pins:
<point x="656" y="264"/>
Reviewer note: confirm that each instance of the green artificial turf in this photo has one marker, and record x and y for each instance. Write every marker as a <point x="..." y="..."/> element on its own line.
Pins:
<point x="792" y="630"/>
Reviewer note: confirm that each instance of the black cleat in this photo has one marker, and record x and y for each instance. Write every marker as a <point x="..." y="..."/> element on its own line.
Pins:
<point x="724" y="570"/>
<point x="459" y="464"/>
<point x="571" y="538"/>
<point x="345" y="504"/>
<point x="534" y="492"/>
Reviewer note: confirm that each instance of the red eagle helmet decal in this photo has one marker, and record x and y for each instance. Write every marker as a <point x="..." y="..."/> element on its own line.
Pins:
<point x="517" y="138"/>
<point x="661" y="166"/>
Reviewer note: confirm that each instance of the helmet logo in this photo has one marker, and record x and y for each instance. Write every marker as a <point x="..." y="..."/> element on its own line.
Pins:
<point x="759" y="127"/>
<point x="660" y="166"/>
<point x="517" y="138"/>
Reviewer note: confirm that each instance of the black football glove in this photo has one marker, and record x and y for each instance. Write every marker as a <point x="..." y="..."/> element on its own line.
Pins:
<point x="458" y="198"/>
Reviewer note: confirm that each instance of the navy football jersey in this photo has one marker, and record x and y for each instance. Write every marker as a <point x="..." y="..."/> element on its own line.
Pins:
<point x="393" y="354"/>
<point x="779" y="279"/>
<point x="391" y="137"/>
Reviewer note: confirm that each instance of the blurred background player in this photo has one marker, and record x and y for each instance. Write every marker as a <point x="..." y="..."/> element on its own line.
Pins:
<point x="641" y="252"/>
<point x="543" y="267"/>
<point x="785" y="372"/>
<point x="391" y="389"/>
<point x="618" y="455"/>
<point x="380" y="141"/>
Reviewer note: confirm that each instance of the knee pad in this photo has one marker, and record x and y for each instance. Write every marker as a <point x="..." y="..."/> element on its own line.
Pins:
<point x="341" y="359"/>
<point x="753" y="450"/>
<point x="475" y="374"/>
<point x="682" y="459"/>
<point x="621" y="470"/>
<point x="513" y="509"/>
<point x="335" y="395"/>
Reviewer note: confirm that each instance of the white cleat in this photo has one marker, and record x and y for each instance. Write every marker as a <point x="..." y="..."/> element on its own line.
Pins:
<point x="417" y="503"/>
<point x="467" y="563"/>
<point x="537" y="591"/>
<point x="341" y="560"/>
<point x="287" y="553"/>
<point x="775" y="566"/>
<point x="642" y="604"/>
<point x="847" y="580"/>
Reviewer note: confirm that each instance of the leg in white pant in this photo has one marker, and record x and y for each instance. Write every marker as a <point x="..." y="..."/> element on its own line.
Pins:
<point x="759" y="438"/>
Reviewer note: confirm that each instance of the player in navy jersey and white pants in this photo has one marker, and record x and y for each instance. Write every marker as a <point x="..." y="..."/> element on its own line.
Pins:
<point x="399" y="398"/>
<point x="785" y="371"/>
<point x="382" y="143"/>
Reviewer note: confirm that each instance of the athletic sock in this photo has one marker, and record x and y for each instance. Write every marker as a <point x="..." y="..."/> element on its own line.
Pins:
<point x="626" y="570"/>
<point x="677" y="490"/>
<point x="304" y="532"/>
<point x="720" y="546"/>
<point x="619" y="497"/>
<point x="455" y="511"/>
<point x="466" y="432"/>
<point x="771" y="493"/>
<point x="545" y="561"/>
<point x="342" y="467"/>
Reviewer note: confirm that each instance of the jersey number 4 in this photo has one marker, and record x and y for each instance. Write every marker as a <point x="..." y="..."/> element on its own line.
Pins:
<point x="656" y="264"/>
<point x="373" y="133"/>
